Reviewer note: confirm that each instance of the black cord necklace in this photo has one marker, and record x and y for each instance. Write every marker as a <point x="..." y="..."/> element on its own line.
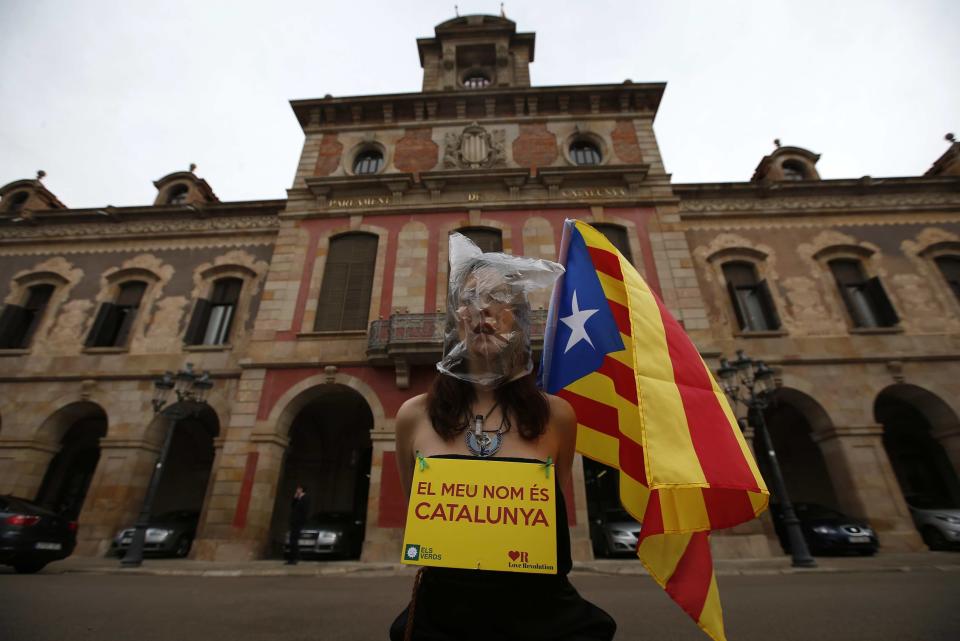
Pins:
<point x="485" y="443"/>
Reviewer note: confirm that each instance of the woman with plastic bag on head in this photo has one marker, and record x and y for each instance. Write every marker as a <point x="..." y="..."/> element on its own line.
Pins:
<point x="485" y="404"/>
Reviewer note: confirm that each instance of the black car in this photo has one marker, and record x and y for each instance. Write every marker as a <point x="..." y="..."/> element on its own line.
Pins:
<point x="32" y="536"/>
<point x="168" y="534"/>
<point x="614" y="533"/>
<point x="331" y="535"/>
<point x="827" y="531"/>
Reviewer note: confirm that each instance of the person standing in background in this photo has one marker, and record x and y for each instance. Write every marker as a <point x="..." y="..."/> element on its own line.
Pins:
<point x="298" y="517"/>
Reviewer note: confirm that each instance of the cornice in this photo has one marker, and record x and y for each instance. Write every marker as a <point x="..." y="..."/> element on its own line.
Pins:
<point x="709" y="208"/>
<point x="502" y="188"/>
<point x="426" y="108"/>
<point x="195" y="229"/>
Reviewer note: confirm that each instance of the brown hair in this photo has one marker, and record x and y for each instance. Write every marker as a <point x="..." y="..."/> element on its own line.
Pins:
<point x="449" y="401"/>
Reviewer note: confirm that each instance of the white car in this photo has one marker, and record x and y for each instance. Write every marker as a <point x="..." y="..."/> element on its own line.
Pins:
<point x="939" y="524"/>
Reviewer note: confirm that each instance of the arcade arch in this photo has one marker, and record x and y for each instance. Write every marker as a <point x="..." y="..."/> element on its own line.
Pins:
<point x="77" y="428"/>
<point x="329" y="453"/>
<point x="792" y="421"/>
<point x="916" y="425"/>
<point x="186" y="474"/>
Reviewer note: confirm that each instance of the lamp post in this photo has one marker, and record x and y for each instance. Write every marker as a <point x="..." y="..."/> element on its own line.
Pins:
<point x="751" y="382"/>
<point x="191" y="391"/>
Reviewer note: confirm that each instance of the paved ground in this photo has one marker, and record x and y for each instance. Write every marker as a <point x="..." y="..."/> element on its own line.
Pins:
<point x="920" y="604"/>
<point x="946" y="561"/>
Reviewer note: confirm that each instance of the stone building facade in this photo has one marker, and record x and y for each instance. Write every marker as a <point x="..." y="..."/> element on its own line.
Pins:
<point x="319" y="314"/>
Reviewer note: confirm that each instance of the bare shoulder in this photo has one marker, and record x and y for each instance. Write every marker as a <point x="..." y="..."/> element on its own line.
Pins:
<point x="411" y="412"/>
<point x="413" y="405"/>
<point x="561" y="412"/>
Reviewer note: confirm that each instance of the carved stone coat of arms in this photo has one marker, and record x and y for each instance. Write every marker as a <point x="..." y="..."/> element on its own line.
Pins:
<point x="474" y="148"/>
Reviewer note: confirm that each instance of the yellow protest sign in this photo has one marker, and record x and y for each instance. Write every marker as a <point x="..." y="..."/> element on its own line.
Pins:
<point x="486" y="515"/>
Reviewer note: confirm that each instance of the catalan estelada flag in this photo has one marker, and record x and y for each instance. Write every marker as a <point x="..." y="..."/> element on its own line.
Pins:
<point x="647" y="405"/>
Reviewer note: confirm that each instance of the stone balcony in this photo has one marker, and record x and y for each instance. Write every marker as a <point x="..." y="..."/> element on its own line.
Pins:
<point x="415" y="339"/>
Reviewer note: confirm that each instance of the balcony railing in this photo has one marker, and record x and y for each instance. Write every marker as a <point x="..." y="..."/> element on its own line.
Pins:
<point x="419" y="337"/>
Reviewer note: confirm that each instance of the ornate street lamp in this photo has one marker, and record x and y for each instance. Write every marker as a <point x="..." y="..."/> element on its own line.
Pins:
<point x="191" y="391"/>
<point x="751" y="382"/>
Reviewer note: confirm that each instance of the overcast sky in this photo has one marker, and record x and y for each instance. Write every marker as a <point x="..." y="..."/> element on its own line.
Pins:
<point x="106" y="97"/>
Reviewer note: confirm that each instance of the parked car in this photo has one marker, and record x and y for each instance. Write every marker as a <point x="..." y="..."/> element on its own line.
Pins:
<point x="32" y="536"/>
<point x="938" y="523"/>
<point x="168" y="534"/>
<point x="614" y="533"/>
<point x="827" y="530"/>
<point x="330" y="534"/>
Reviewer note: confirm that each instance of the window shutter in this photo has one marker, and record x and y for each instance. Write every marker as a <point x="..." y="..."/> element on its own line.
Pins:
<point x="332" y="294"/>
<point x="344" y="301"/>
<point x="617" y="236"/>
<point x="487" y="239"/>
<point x="226" y="291"/>
<point x="198" y="323"/>
<point x="99" y="324"/>
<point x="12" y="322"/>
<point x="356" y="307"/>
<point x="769" y="309"/>
<point x="125" y="317"/>
<point x="886" y="314"/>
<point x="737" y="307"/>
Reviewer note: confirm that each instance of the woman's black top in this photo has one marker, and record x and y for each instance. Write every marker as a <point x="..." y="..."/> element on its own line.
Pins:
<point x="466" y="605"/>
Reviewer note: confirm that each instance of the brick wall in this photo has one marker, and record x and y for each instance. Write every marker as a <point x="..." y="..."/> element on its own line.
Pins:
<point x="535" y="146"/>
<point x="416" y="151"/>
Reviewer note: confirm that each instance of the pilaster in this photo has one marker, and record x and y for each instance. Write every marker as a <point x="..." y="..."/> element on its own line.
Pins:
<point x="866" y="485"/>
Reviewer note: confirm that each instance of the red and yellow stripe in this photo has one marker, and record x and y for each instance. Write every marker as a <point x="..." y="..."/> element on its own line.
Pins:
<point x="654" y="411"/>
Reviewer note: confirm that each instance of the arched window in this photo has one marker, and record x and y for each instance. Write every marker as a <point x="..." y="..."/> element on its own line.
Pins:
<point x="347" y="283"/>
<point x="177" y="195"/>
<point x="18" y="323"/>
<point x="113" y="323"/>
<point x="865" y="298"/>
<point x="17" y="201"/>
<point x="486" y="238"/>
<point x="750" y="298"/>
<point x="584" y="152"/>
<point x="369" y="161"/>
<point x="950" y="268"/>
<point x="213" y="318"/>
<point x="792" y="170"/>
<point x="476" y="80"/>
<point x="617" y="236"/>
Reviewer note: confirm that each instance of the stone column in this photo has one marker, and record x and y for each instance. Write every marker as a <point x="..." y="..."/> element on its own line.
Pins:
<point x="751" y="540"/>
<point x="236" y="526"/>
<point x="116" y="492"/>
<point x="581" y="549"/>
<point x="23" y="464"/>
<point x="866" y="485"/>
<point x="201" y="525"/>
<point x="381" y="543"/>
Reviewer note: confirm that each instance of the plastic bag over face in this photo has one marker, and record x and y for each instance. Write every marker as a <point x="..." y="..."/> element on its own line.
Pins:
<point x="487" y="335"/>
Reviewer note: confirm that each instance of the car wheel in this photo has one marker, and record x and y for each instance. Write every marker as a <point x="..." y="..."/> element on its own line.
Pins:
<point x="934" y="539"/>
<point x="183" y="547"/>
<point x="29" y="567"/>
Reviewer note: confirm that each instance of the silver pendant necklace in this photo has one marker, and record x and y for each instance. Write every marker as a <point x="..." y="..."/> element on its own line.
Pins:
<point x="481" y="442"/>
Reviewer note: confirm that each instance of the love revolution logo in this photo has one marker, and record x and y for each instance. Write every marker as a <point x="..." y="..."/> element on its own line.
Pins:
<point x="516" y="555"/>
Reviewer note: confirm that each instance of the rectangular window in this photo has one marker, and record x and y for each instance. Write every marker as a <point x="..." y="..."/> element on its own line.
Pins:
<point x="213" y="319"/>
<point x="750" y="298"/>
<point x="347" y="286"/>
<point x="17" y="324"/>
<point x="113" y="323"/>
<point x="865" y="299"/>
<point x="950" y="268"/>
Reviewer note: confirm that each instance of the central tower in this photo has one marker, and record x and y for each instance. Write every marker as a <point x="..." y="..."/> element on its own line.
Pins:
<point x="474" y="52"/>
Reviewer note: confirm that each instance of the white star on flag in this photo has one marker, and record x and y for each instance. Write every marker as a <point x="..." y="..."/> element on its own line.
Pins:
<point x="577" y="322"/>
